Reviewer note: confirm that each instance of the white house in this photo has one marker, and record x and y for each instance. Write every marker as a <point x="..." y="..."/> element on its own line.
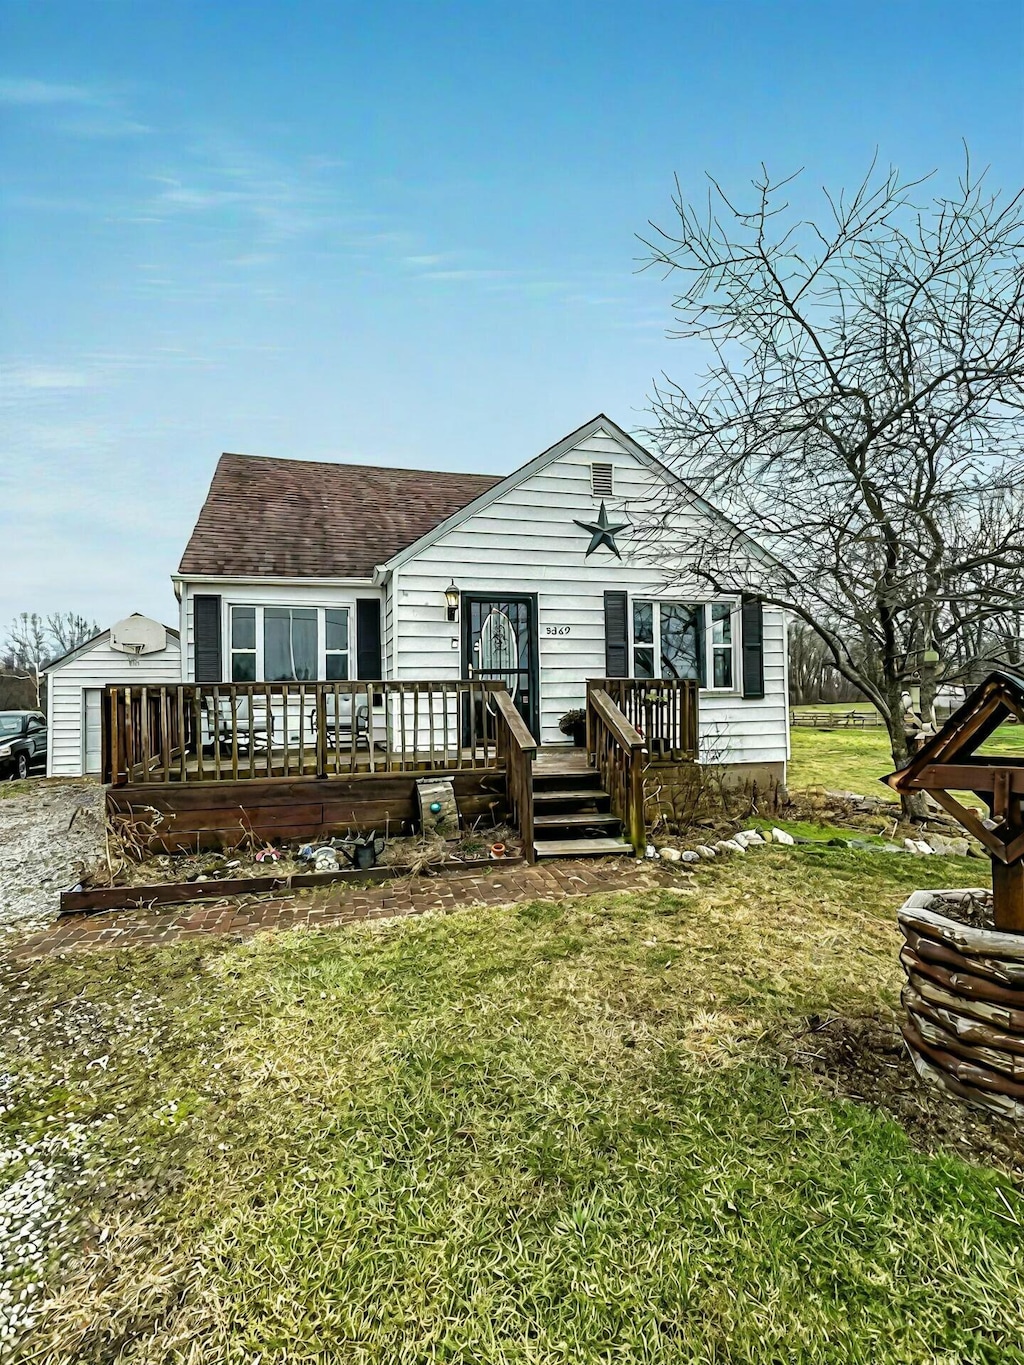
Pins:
<point x="315" y="571"/>
<point x="135" y="650"/>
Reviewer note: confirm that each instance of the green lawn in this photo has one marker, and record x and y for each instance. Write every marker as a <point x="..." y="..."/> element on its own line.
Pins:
<point x="854" y="760"/>
<point x="551" y="1133"/>
<point x="842" y="760"/>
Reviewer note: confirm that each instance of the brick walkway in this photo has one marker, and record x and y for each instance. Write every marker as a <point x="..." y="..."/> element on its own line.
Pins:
<point x="244" y="916"/>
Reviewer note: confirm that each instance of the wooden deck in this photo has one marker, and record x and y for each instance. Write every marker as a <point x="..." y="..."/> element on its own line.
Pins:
<point x="218" y="765"/>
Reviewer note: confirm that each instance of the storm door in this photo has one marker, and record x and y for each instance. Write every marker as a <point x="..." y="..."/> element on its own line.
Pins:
<point x="499" y="642"/>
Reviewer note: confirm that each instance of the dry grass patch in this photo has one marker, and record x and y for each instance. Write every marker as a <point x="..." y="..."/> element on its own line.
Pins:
<point x="545" y="1133"/>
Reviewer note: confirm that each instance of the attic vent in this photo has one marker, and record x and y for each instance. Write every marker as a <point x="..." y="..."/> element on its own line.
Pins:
<point x="601" y="484"/>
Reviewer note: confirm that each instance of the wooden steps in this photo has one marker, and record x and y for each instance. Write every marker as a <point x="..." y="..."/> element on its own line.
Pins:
<point x="577" y="818"/>
<point x="582" y="848"/>
<point x="558" y="796"/>
<point x="572" y="817"/>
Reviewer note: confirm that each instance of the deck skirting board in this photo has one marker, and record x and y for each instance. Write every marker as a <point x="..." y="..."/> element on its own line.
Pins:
<point x="194" y="816"/>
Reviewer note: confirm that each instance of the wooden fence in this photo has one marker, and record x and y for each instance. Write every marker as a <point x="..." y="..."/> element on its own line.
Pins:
<point x="836" y="720"/>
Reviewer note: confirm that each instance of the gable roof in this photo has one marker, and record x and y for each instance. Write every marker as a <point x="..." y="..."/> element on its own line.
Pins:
<point x="600" y="423"/>
<point x="268" y="517"/>
<point x="92" y="642"/>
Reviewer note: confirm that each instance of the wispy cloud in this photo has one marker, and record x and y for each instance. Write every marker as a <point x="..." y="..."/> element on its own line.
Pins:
<point x="30" y="387"/>
<point x="271" y="202"/>
<point x="467" y="274"/>
<point x="32" y="93"/>
<point x="102" y="125"/>
<point x="35" y="378"/>
<point x="85" y="111"/>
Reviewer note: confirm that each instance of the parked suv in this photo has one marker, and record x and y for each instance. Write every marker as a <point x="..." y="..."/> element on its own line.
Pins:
<point x="22" y="742"/>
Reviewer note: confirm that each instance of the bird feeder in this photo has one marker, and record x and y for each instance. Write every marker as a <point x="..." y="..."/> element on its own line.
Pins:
<point x="949" y="762"/>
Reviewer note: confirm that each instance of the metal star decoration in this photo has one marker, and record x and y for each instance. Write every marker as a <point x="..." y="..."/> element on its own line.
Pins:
<point x="602" y="532"/>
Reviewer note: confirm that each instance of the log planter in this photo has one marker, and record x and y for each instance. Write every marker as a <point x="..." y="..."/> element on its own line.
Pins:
<point x="94" y="900"/>
<point x="964" y="1000"/>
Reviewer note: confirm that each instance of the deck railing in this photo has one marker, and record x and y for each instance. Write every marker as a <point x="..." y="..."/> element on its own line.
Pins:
<point x="662" y="710"/>
<point x="616" y="749"/>
<point x="206" y="732"/>
<point x="517" y="749"/>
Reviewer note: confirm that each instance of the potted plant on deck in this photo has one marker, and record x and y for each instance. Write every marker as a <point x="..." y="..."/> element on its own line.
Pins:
<point x="574" y="724"/>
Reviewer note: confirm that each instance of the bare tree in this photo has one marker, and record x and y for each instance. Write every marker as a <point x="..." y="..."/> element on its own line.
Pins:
<point x="67" y="630"/>
<point x="861" y="410"/>
<point x="812" y="673"/>
<point x="32" y="643"/>
<point x="28" y="649"/>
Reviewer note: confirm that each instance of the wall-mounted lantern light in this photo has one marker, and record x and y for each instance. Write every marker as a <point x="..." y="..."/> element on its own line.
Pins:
<point x="451" y="597"/>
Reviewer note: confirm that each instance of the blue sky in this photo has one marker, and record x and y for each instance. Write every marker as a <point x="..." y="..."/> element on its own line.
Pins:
<point x="392" y="233"/>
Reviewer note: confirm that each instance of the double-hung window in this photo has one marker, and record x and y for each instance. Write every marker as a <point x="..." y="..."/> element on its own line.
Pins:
<point x="336" y="644"/>
<point x="684" y="640"/>
<point x="289" y="644"/>
<point x="243" y="644"/>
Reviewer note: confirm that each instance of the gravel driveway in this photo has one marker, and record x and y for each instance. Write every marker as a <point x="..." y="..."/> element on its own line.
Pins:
<point x="46" y="828"/>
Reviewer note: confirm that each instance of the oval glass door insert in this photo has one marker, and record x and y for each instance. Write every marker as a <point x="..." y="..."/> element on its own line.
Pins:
<point x="499" y="650"/>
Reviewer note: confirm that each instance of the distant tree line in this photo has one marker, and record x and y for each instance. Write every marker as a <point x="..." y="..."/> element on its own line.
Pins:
<point x="31" y="644"/>
<point x="965" y="657"/>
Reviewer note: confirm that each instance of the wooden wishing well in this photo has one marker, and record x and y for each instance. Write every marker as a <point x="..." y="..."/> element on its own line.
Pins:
<point x="950" y="762"/>
<point x="964" y="995"/>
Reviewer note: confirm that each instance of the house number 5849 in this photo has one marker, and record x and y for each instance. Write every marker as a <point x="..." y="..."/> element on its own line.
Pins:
<point x="556" y="630"/>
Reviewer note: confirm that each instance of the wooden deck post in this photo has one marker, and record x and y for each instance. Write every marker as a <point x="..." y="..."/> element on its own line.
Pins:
<point x="637" y="823"/>
<point x="1008" y="895"/>
<point x="321" y="734"/>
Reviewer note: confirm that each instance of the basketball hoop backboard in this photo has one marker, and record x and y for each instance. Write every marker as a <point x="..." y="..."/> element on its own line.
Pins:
<point x="137" y="635"/>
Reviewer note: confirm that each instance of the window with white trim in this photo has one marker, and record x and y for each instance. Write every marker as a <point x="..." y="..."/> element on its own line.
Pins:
<point x="289" y="644"/>
<point x="243" y="644"/>
<point x="685" y="640"/>
<point x="721" y="643"/>
<point x="336" y="644"/>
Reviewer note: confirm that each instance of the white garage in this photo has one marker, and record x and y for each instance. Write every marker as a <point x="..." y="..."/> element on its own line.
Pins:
<point x="136" y="650"/>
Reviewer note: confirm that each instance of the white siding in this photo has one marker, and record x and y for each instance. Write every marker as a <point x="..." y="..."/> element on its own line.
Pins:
<point x="68" y="684"/>
<point x="387" y="639"/>
<point x="525" y="541"/>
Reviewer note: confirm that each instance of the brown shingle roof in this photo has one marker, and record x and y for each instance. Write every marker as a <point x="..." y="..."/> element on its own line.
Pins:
<point x="300" y="519"/>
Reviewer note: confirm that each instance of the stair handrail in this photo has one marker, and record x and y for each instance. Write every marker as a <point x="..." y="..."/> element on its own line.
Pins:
<point x="617" y="749"/>
<point x="518" y="748"/>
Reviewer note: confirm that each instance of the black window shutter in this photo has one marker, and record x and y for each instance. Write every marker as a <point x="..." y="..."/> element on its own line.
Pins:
<point x="369" y="663"/>
<point x="752" y="641"/>
<point x="700" y="635"/>
<point x="616" y="636"/>
<point x="206" y="629"/>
